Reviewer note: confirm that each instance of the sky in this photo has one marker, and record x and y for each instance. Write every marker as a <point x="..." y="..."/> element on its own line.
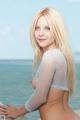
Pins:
<point x="15" y="20"/>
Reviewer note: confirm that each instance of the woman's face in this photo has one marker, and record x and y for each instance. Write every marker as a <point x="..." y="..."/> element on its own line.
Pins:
<point x="43" y="34"/>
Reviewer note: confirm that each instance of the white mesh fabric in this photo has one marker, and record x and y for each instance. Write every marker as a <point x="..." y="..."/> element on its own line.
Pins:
<point x="51" y="73"/>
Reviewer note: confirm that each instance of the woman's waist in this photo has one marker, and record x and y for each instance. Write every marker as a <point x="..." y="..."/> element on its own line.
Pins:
<point x="51" y="110"/>
<point x="52" y="105"/>
<point x="54" y="98"/>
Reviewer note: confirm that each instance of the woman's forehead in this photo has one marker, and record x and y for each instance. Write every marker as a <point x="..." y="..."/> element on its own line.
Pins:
<point x="42" y="21"/>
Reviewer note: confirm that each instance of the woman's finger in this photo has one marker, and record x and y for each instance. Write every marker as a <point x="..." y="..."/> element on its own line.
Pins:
<point x="2" y="113"/>
<point x="3" y="107"/>
<point x="10" y="116"/>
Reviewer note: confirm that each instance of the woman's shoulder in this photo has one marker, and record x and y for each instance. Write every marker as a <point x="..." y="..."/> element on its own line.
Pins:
<point x="54" y="55"/>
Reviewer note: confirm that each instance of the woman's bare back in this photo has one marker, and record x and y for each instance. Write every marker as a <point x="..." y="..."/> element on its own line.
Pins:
<point x="57" y="107"/>
<point x="54" y="108"/>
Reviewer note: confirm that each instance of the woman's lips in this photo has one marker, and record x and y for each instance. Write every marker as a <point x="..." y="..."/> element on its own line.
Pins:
<point x="42" y="39"/>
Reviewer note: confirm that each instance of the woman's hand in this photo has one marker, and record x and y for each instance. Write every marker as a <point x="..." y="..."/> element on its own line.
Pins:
<point x="12" y="112"/>
<point x="9" y="111"/>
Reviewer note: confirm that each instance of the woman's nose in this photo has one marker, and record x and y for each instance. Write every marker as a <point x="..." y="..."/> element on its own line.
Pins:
<point x="41" y="32"/>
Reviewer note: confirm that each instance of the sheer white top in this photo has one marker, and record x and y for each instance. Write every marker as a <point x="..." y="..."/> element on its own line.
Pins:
<point x="50" y="73"/>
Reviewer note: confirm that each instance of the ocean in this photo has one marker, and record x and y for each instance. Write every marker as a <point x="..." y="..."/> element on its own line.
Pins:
<point x="15" y="84"/>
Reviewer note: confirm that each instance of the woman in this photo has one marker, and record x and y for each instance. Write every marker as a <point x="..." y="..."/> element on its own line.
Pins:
<point x="54" y="69"/>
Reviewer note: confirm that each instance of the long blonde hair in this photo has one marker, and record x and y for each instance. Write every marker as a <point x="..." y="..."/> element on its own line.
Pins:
<point x="57" y="27"/>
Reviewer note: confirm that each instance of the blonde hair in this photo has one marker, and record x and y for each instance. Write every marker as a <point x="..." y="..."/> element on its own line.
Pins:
<point x="58" y="29"/>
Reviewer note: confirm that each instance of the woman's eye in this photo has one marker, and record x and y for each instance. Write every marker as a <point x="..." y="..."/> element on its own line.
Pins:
<point x="47" y="28"/>
<point x="36" y="28"/>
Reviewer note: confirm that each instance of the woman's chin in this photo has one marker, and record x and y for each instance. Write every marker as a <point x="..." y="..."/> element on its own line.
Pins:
<point x="43" y="45"/>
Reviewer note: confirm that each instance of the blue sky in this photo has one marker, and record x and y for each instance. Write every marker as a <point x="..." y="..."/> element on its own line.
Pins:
<point x="15" y="20"/>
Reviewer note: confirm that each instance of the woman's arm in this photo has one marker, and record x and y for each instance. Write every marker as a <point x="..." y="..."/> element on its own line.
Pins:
<point x="44" y="78"/>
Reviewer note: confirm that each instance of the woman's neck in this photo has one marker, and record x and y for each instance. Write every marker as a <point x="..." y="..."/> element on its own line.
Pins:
<point x="49" y="47"/>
